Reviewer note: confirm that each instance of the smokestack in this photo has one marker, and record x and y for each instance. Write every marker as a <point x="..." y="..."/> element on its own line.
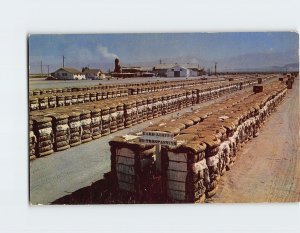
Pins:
<point x="117" y="66"/>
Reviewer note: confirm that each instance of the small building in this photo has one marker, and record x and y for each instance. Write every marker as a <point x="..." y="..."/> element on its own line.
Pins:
<point x="178" y="71"/>
<point x="93" y="73"/>
<point x="187" y="70"/>
<point x="65" y="73"/>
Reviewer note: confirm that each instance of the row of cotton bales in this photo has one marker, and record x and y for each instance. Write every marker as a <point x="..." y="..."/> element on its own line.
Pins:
<point x="204" y="144"/>
<point x="56" y="129"/>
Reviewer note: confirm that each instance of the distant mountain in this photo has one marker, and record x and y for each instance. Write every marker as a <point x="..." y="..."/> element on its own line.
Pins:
<point x="259" y="61"/>
<point x="268" y="61"/>
<point x="183" y="59"/>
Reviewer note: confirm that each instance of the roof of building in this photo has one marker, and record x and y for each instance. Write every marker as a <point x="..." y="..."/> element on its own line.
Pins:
<point x="69" y="70"/>
<point x="94" y="70"/>
<point x="170" y="65"/>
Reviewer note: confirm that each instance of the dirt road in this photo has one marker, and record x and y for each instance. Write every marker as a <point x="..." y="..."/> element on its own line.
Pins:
<point x="268" y="167"/>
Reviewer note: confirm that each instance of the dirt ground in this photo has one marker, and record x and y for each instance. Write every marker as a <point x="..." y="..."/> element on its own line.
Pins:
<point x="268" y="167"/>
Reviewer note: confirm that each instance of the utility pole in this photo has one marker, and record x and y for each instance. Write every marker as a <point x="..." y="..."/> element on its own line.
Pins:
<point x="216" y="68"/>
<point x="64" y="61"/>
<point x="41" y="67"/>
<point x="48" y="69"/>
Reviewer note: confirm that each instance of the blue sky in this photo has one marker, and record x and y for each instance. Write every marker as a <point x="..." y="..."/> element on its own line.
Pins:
<point x="99" y="49"/>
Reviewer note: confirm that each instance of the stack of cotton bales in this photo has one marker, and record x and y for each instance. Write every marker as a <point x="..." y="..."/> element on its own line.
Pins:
<point x="120" y="115"/>
<point x="132" y="163"/>
<point x="43" y="102"/>
<point x="105" y="119"/>
<point x="52" y="101"/>
<point x="96" y="122"/>
<point x="61" y="131"/>
<point x="42" y="127"/>
<point x="113" y="118"/>
<point x="75" y="128"/>
<point x="33" y="103"/>
<point x="85" y="122"/>
<point x="60" y="100"/>
<point x="185" y="171"/>
<point x="128" y="114"/>
<point x="32" y="141"/>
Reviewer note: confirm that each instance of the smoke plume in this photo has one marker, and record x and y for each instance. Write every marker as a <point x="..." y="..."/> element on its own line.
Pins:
<point x="105" y="53"/>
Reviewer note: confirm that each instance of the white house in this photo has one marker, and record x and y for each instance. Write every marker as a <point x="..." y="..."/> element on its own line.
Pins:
<point x="93" y="73"/>
<point x="68" y="74"/>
